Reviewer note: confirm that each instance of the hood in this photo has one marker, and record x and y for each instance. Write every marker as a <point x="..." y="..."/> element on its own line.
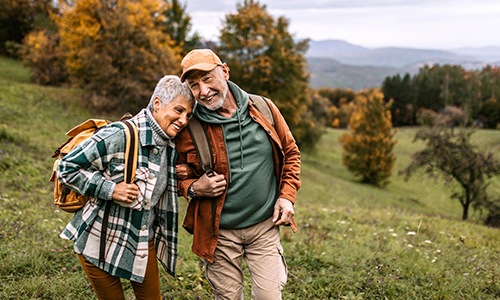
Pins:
<point x="209" y="116"/>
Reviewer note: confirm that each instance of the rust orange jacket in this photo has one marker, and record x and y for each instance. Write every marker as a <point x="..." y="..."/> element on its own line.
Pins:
<point x="203" y="214"/>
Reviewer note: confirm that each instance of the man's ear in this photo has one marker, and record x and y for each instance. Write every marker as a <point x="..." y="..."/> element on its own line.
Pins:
<point x="226" y="70"/>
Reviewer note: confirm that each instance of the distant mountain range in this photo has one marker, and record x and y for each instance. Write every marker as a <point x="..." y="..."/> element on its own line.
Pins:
<point x="336" y="63"/>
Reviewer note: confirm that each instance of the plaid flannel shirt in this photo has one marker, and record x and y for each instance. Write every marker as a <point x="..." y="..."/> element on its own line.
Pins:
<point x="93" y="168"/>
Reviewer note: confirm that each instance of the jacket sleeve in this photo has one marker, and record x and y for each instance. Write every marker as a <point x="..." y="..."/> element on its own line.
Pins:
<point x="183" y="145"/>
<point x="83" y="169"/>
<point x="290" y="176"/>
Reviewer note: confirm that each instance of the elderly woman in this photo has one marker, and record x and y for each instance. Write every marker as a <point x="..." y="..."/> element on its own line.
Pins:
<point x="141" y="217"/>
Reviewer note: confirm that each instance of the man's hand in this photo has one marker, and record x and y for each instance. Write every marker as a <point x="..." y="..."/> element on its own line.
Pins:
<point x="283" y="212"/>
<point x="125" y="192"/>
<point x="212" y="185"/>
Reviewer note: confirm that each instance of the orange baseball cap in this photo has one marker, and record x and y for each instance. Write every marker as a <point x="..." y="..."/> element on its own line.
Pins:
<point x="199" y="59"/>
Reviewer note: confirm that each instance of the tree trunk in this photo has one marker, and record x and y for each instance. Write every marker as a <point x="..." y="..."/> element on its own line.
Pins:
<point x="465" y="214"/>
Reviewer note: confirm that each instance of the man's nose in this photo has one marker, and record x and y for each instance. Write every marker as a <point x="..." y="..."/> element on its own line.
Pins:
<point x="204" y="89"/>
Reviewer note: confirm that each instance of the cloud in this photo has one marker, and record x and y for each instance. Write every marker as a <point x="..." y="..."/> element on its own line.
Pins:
<point x="440" y="24"/>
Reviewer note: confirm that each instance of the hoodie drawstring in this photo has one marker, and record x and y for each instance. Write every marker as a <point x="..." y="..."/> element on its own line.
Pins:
<point x="242" y="163"/>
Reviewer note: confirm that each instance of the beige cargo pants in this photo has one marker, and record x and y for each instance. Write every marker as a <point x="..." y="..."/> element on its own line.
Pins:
<point x="260" y="246"/>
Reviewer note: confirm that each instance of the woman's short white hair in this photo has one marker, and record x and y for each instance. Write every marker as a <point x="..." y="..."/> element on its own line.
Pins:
<point x="169" y="88"/>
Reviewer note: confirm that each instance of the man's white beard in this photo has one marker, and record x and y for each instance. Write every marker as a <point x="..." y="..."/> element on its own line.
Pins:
<point x="214" y="106"/>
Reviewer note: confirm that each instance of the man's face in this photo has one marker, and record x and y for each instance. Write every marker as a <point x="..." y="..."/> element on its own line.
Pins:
<point x="210" y="88"/>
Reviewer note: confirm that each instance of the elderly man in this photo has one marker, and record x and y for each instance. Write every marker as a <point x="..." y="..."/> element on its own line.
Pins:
<point x="235" y="210"/>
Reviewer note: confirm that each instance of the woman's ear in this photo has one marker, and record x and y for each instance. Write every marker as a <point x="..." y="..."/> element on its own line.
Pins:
<point x="156" y="104"/>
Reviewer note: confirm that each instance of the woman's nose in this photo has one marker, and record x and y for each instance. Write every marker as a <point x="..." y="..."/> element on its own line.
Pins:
<point x="184" y="119"/>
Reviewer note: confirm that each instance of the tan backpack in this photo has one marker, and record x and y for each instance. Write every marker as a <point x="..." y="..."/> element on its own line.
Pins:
<point x="69" y="200"/>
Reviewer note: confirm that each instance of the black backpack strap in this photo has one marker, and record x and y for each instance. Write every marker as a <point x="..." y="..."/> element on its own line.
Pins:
<point x="201" y="143"/>
<point x="263" y="107"/>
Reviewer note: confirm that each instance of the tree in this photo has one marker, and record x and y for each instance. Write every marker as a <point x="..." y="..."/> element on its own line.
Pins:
<point x="368" y="148"/>
<point x="490" y="112"/>
<point x="265" y="59"/>
<point x="450" y="155"/>
<point x="18" y="18"/>
<point x="117" y="50"/>
<point x="401" y="93"/>
<point x="178" y="25"/>
<point x="42" y="54"/>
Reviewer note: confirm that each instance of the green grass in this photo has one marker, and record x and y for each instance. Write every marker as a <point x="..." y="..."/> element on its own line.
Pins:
<point x="355" y="241"/>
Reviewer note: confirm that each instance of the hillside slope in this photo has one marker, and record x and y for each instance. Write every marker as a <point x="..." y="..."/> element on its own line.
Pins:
<point x="354" y="241"/>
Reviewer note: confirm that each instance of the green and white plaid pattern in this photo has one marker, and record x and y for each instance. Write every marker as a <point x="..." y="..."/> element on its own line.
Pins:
<point x="93" y="168"/>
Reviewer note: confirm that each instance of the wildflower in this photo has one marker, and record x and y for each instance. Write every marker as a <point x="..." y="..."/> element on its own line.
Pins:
<point x="411" y="233"/>
<point x="391" y="230"/>
<point x="410" y="246"/>
<point x="394" y="234"/>
<point x="427" y="242"/>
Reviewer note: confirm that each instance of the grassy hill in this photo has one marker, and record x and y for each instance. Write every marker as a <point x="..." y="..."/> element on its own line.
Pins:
<point x="355" y="241"/>
<point x="329" y="73"/>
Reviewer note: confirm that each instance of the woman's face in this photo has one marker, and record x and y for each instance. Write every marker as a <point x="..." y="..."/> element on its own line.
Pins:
<point x="173" y="116"/>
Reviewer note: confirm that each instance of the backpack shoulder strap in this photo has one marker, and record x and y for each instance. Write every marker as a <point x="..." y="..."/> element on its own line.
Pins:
<point x="131" y="150"/>
<point x="200" y="139"/>
<point x="131" y="156"/>
<point x="262" y="106"/>
<point x="201" y="143"/>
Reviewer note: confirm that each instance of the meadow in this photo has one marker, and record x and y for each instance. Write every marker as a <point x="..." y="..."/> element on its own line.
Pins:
<point x="355" y="241"/>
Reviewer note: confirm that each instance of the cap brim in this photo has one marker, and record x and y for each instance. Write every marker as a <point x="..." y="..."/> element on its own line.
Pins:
<point x="200" y="67"/>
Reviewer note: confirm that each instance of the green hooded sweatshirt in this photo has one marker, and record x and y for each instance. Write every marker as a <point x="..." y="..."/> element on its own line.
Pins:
<point x="252" y="187"/>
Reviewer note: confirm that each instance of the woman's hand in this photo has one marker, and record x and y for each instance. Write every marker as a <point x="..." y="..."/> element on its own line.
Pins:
<point x="125" y="192"/>
<point x="183" y="171"/>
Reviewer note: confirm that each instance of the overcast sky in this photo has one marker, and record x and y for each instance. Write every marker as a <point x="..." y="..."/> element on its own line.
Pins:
<point x="425" y="24"/>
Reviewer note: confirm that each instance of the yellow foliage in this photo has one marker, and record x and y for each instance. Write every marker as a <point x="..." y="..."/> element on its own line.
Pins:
<point x="120" y="41"/>
<point x="368" y="146"/>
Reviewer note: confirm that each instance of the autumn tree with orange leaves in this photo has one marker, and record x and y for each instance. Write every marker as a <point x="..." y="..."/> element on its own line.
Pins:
<point x="117" y="50"/>
<point x="368" y="145"/>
